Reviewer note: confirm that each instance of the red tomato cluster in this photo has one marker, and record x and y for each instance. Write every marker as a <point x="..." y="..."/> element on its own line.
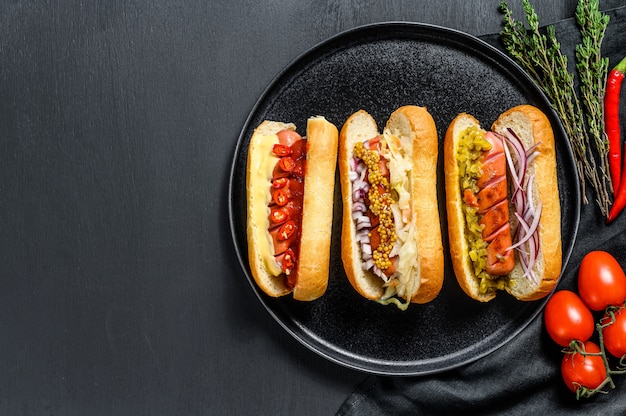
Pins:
<point x="570" y="323"/>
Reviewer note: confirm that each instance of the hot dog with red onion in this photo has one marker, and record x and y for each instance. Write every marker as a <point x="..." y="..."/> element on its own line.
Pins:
<point x="290" y="184"/>
<point x="391" y="238"/>
<point x="503" y="206"/>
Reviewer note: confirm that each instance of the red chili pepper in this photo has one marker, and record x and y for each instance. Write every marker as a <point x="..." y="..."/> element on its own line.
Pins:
<point x="280" y="182"/>
<point x="611" y="120"/>
<point x="612" y="128"/>
<point x="286" y="164"/>
<point x="289" y="262"/>
<point x="286" y="230"/>
<point x="280" y="197"/>
<point x="281" y="150"/>
<point x="278" y="215"/>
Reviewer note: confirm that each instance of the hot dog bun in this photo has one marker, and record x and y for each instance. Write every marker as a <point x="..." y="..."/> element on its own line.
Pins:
<point x="531" y="126"/>
<point x="317" y="209"/>
<point x="415" y="129"/>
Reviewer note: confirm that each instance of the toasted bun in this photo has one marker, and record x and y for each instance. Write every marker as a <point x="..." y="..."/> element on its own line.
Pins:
<point x="313" y="264"/>
<point x="317" y="209"/>
<point x="531" y="126"/>
<point x="416" y="129"/>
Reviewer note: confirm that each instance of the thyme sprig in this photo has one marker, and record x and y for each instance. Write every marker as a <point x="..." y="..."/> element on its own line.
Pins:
<point x="539" y="54"/>
<point x="592" y="71"/>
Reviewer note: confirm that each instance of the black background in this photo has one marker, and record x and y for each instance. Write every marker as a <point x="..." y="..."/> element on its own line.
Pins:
<point x="120" y="292"/>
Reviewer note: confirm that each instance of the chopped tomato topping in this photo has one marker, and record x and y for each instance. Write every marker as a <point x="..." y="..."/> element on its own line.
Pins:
<point x="374" y="238"/>
<point x="374" y="220"/>
<point x="374" y="143"/>
<point x="469" y="197"/>
<point x="382" y="166"/>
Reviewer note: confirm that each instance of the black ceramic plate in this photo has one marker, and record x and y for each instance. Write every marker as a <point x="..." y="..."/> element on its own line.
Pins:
<point x="379" y="68"/>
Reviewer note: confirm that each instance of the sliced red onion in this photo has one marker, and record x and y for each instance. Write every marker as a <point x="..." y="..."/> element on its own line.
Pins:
<point x="359" y="206"/>
<point x="358" y="194"/>
<point x="361" y="169"/>
<point x="368" y="264"/>
<point x="532" y="258"/>
<point x="533" y="149"/>
<point x="525" y="237"/>
<point x="379" y="273"/>
<point x="517" y="196"/>
<point x="362" y="236"/>
<point x="363" y="222"/>
<point x="529" y="229"/>
<point x="520" y="153"/>
<point x="532" y="157"/>
<point x="529" y="194"/>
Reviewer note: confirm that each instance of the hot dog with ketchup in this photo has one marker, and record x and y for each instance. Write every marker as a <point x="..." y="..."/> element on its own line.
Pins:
<point x="503" y="206"/>
<point x="391" y="238"/>
<point x="290" y="184"/>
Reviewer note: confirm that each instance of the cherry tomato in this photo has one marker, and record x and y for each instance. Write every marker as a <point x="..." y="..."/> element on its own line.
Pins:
<point x="601" y="281"/>
<point x="615" y="333"/>
<point x="567" y="318"/>
<point x="580" y="370"/>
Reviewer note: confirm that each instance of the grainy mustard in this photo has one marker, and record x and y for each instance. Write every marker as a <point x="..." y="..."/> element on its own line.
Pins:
<point x="380" y="200"/>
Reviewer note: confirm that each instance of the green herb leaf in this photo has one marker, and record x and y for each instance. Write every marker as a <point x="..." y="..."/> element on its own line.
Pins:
<point x="538" y="52"/>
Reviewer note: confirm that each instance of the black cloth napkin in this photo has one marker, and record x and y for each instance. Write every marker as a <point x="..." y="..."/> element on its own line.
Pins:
<point x="523" y="377"/>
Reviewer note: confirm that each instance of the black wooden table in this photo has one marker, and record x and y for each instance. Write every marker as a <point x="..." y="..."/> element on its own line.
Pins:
<point x="120" y="292"/>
